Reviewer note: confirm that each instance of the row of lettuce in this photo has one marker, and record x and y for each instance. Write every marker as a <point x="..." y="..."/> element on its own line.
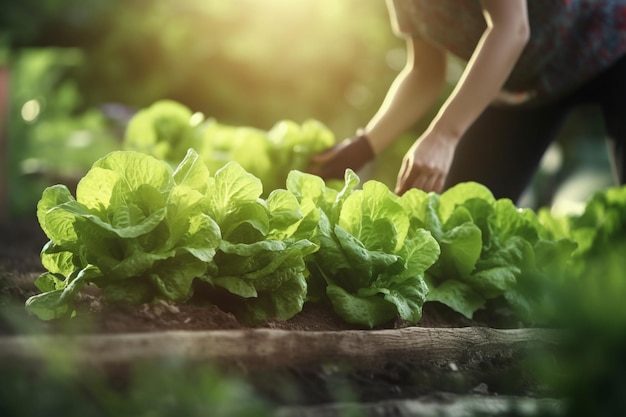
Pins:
<point x="142" y="230"/>
<point x="167" y="129"/>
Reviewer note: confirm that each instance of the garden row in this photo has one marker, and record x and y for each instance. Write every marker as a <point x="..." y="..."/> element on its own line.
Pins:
<point x="142" y="227"/>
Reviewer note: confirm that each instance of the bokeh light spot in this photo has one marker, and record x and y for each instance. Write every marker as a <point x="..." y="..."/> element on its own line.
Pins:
<point x="31" y="110"/>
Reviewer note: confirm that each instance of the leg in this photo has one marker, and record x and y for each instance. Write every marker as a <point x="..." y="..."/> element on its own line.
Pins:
<point x="503" y="148"/>
<point x="617" y="153"/>
<point x="610" y="90"/>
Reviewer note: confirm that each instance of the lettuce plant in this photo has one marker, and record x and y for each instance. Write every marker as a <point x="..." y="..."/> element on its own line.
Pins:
<point x="489" y="249"/>
<point x="260" y="258"/>
<point x="595" y="284"/>
<point x="166" y="129"/>
<point x="268" y="155"/>
<point x="140" y="230"/>
<point x="136" y="229"/>
<point x="370" y="261"/>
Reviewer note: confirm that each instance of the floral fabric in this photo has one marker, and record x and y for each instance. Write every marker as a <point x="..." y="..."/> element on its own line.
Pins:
<point x="571" y="40"/>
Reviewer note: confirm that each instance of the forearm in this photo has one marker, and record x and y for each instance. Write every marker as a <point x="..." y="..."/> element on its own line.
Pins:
<point x="484" y="77"/>
<point x="411" y="95"/>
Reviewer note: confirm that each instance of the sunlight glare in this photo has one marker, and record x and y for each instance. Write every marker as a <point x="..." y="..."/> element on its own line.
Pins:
<point x="196" y="119"/>
<point x="30" y="110"/>
<point x="358" y="96"/>
<point x="80" y="139"/>
<point x="31" y="166"/>
<point x="396" y="58"/>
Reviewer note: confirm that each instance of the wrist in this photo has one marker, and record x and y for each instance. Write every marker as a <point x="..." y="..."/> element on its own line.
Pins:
<point x="362" y="136"/>
<point x="446" y="132"/>
<point x="372" y="140"/>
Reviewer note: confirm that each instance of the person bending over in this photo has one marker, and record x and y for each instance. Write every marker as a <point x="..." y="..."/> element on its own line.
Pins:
<point x="529" y="63"/>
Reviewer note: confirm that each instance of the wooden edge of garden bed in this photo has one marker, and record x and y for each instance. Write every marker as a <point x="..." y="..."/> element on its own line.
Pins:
<point x="440" y="406"/>
<point x="461" y="348"/>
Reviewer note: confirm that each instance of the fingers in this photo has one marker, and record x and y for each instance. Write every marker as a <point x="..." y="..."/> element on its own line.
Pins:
<point x="405" y="177"/>
<point x="425" y="178"/>
<point x="430" y="182"/>
<point x="351" y="153"/>
<point x="324" y="156"/>
<point x="328" y="164"/>
<point x="425" y="183"/>
<point x="327" y="172"/>
<point x="319" y="162"/>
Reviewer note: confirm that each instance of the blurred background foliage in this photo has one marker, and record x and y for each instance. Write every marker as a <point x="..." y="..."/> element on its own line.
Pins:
<point x="78" y="70"/>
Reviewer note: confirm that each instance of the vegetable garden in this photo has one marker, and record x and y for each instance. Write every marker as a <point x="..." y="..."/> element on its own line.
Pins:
<point x="334" y="283"/>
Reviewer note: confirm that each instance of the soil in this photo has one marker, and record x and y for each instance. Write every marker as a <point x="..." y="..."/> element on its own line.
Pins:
<point x="21" y="242"/>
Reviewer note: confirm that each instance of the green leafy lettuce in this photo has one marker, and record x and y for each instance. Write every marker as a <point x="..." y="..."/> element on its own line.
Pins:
<point x="260" y="259"/>
<point x="595" y="283"/>
<point x="166" y="129"/>
<point x="140" y="230"/>
<point x="268" y="155"/>
<point x="490" y="249"/>
<point x="136" y="229"/>
<point x="371" y="261"/>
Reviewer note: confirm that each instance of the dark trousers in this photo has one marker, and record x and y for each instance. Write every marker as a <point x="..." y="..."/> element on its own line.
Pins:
<point x="503" y="148"/>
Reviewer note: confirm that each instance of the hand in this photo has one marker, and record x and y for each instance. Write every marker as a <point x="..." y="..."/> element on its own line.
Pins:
<point x="351" y="153"/>
<point x="426" y="164"/>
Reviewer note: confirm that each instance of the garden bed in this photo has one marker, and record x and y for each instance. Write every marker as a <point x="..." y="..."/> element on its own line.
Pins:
<point x="302" y="366"/>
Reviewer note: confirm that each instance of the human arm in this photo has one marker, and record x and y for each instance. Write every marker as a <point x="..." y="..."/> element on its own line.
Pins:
<point x="428" y="161"/>
<point x="412" y="93"/>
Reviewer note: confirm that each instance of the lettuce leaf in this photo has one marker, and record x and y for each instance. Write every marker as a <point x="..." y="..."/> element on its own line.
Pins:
<point x="370" y="260"/>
